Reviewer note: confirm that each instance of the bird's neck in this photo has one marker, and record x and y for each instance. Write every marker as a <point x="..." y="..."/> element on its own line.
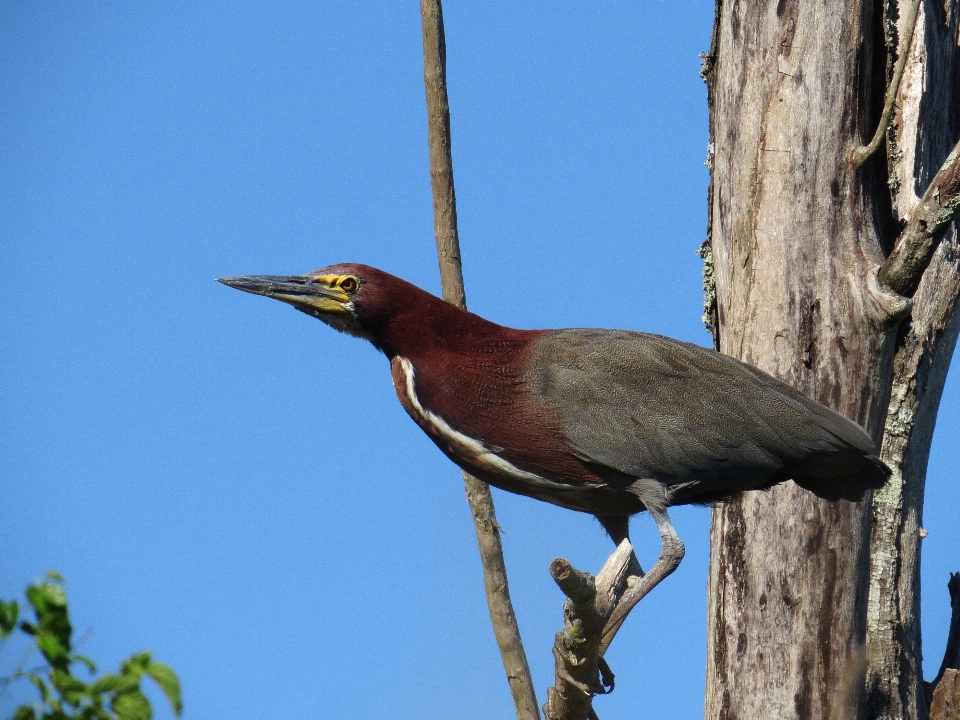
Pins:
<point x="427" y="329"/>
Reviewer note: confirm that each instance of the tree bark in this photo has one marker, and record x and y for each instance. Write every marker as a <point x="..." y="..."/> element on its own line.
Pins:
<point x="798" y="234"/>
<point x="926" y="125"/>
<point x="894" y="680"/>
<point x="796" y="240"/>
<point x="925" y="347"/>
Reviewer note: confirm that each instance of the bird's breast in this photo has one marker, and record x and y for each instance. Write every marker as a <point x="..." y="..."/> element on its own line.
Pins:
<point x="461" y="447"/>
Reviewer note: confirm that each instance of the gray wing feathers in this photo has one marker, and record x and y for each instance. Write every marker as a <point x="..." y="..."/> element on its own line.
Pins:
<point x="646" y="406"/>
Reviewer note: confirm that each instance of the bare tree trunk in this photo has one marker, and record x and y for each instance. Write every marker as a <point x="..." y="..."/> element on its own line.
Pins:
<point x="798" y="234"/>
<point x="927" y="123"/>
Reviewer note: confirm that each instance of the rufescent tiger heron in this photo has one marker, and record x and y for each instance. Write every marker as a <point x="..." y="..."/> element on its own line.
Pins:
<point x="607" y="422"/>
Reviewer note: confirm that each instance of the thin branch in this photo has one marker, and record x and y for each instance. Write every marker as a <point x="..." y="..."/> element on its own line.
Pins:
<point x="904" y="268"/>
<point x="441" y="154"/>
<point x="18" y="671"/>
<point x="862" y="154"/>
<point x="451" y="276"/>
<point x="504" y="621"/>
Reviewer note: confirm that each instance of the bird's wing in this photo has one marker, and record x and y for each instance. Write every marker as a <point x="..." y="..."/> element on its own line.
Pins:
<point x="647" y="406"/>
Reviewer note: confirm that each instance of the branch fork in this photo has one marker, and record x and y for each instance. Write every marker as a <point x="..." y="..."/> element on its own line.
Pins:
<point x="581" y="671"/>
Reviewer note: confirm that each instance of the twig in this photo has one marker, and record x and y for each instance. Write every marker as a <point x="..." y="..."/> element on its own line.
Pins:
<point x="18" y="671"/>
<point x="862" y="154"/>
<point x="451" y="276"/>
<point x="905" y="266"/>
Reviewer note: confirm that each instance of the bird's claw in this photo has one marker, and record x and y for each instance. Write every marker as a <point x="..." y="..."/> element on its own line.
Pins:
<point x="607" y="678"/>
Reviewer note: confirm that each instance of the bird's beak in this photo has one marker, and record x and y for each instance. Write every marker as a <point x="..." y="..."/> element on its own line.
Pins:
<point x="304" y="292"/>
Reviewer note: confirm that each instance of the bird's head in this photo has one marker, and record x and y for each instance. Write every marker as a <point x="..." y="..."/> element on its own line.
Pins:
<point x="355" y="299"/>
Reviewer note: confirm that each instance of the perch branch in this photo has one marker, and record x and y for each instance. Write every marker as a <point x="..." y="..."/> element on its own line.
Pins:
<point x="905" y="266"/>
<point x="502" y="617"/>
<point x="862" y="154"/>
<point x="581" y="671"/>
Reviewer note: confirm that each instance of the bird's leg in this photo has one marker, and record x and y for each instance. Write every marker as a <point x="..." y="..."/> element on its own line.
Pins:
<point x="671" y="553"/>
<point x="618" y="528"/>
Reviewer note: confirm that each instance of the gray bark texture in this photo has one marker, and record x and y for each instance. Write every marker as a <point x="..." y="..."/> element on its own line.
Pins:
<point x="946" y="699"/>
<point x="801" y="623"/>
<point x="581" y="672"/>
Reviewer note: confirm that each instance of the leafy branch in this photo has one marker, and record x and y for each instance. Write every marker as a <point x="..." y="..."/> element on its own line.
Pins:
<point x="111" y="696"/>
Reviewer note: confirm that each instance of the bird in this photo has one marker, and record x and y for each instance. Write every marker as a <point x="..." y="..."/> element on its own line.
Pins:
<point x="606" y="422"/>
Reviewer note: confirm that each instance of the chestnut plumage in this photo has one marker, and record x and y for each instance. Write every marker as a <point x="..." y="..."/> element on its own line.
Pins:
<point x="608" y="422"/>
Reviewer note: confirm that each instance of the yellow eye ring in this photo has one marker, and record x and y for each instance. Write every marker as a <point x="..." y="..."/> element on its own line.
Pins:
<point x="349" y="284"/>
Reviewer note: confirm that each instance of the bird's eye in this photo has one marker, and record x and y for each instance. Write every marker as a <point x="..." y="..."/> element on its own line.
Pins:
<point x="349" y="284"/>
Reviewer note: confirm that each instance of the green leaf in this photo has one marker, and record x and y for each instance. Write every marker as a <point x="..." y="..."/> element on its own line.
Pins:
<point x="54" y="575"/>
<point x="168" y="681"/>
<point x="70" y="688"/>
<point x="132" y="706"/>
<point x="47" y="597"/>
<point x="92" y="713"/>
<point x="24" y="713"/>
<point x="64" y="681"/>
<point x="136" y="665"/>
<point x="52" y="649"/>
<point x="53" y="629"/>
<point x="9" y="614"/>
<point x="77" y="657"/>
<point x="115" y="683"/>
<point x="28" y="628"/>
<point x="108" y="682"/>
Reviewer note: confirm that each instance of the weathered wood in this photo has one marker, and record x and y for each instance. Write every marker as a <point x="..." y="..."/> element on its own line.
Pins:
<point x="581" y="671"/>
<point x="946" y="698"/>
<point x="893" y="609"/>
<point x="929" y="222"/>
<point x="502" y="616"/>
<point x="862" y="154"/>
<point x="919" y="142"/>
<point x="951" y="654"/>
<point x="497" y="589"/>
<point x="793" y="91"/>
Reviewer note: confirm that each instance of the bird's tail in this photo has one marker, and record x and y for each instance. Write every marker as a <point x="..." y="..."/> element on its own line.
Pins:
<point x="868" y="473"/>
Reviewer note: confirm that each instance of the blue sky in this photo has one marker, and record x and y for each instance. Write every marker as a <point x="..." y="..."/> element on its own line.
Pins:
<point x="232" y="484"/>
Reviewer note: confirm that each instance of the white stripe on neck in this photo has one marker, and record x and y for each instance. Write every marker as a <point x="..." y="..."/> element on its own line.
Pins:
<point x="475" y="449"/>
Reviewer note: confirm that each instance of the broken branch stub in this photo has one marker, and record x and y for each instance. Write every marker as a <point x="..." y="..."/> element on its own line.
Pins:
<point x="581" y="671"/>
<point x="938" y="207"/>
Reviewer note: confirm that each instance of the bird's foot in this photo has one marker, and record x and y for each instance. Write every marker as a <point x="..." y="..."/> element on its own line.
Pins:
<point x="607" y="678"/>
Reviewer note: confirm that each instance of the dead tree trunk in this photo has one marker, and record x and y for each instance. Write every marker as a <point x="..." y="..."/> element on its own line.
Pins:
<point x="926" y="125"/>
<point x="798" y="233"/>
